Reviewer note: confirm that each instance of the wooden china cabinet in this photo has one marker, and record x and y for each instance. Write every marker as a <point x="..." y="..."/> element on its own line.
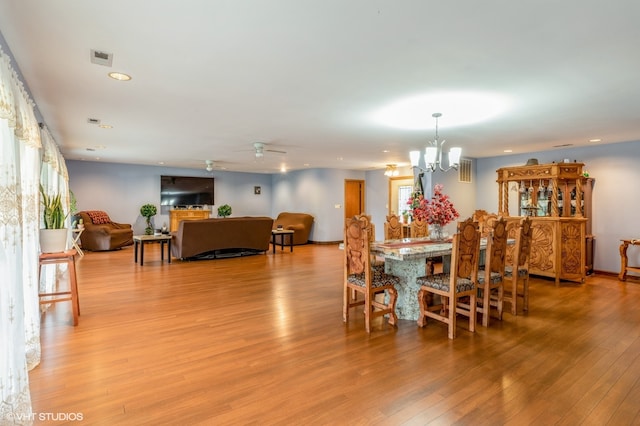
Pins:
<point x="557" y="196"/>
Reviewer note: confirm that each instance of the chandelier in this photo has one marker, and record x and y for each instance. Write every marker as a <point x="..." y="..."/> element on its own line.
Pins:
<point x="433" y="154"/>
<point x="391" y="170"/>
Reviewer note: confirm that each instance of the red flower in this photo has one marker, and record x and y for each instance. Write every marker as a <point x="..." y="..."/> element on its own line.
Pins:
<point x="439" y="210"/>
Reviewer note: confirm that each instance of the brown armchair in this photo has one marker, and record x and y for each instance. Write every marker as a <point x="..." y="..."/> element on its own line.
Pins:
<point x="299" y="222"/>
<point x="101" y="233"/>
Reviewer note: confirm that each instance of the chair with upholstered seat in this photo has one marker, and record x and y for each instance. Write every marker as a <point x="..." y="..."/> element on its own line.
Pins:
<point x="419" y="228"/>
<point x="517" y="269"/>
<point x="393" y="228"/>
<point x="485" y="220"/>
<point x="101" y="233"/>
<point x="360" y="277"/>
<point x="491" y="275"/>
<point x="452" y="286"/>
<point x="376" y="262"/>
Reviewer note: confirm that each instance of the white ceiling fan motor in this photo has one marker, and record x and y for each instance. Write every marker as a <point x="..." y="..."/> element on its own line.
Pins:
<point x="259" y="147"/>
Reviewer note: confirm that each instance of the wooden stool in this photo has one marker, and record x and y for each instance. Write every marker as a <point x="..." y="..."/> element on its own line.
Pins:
<point x="72" y="295"/>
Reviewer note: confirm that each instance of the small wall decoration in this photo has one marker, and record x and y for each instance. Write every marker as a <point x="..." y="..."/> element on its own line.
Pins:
<point x="257" y="190"/>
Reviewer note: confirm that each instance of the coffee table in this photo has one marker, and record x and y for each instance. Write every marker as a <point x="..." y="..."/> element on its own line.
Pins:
<point x="281" y="233"/>
<point x="141" y="240"/>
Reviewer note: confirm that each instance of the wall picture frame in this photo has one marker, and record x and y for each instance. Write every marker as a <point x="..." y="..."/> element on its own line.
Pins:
<point x="257" y="190"/>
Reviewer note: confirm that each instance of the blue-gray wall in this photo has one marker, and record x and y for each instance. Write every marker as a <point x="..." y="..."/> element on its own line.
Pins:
<point x="121" y="189"/>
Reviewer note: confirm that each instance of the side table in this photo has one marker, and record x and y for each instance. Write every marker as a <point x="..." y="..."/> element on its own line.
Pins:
<point x="141" y="240"/>
<point x="624" y="260"/>
<point x="76" y="232"/>
<point x="282" y="233"/>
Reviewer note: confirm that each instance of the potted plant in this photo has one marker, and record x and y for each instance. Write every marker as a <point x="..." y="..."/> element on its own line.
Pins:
<point x="224" y="210"/>
<point x="148" y="211"/>
<point x="53" y="237"/>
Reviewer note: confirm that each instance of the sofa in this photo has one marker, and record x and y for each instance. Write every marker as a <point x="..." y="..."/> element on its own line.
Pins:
<point x="299" y="222"/>
<point x="220" y="237"/>
<point x="101" y="233"/>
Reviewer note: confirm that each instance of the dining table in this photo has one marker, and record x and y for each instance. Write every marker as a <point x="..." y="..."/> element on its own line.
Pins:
<point x="406" y="259"/>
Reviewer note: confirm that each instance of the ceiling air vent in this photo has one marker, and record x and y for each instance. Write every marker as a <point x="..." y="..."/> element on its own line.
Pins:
<point x="93" y="120"/>
<point x="101" y="58"/>
<point x="465" y="170"/>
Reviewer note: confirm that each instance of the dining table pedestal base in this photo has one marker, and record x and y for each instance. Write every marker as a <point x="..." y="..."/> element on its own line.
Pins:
<point x="408" y="270"/>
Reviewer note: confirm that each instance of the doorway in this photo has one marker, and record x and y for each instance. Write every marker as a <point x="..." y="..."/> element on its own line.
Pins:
<point x="353" y="197"/>
<point x="400" y="189"/>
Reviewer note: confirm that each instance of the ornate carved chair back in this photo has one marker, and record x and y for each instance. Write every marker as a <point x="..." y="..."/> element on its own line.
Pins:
<point x="525" y="244"/>
<point x="517" y="268"/>
<point x="419" y="228"/>
<point x="392" y="228"/>
<point x="491" y="277"/>
<point x="498" y="250"/>
<point x="465" y="263"/>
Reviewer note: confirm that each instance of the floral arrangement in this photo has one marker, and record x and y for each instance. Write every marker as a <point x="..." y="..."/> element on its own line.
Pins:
<point x="439" y="210"/>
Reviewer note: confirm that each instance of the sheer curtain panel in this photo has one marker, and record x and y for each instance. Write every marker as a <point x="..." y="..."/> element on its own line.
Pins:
<point x="19" y="224"/>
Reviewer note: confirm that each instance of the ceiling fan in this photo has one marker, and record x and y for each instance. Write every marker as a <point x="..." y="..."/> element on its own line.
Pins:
<point x="260" y="148"/>
<point x="210" y="165"/>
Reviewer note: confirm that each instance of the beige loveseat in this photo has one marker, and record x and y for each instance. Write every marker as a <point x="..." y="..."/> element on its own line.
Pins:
<point x="299" y="222"/>
<point x="221" y="236"/>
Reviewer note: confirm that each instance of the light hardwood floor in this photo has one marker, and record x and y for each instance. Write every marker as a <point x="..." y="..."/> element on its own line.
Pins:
<point x="260" y="340"/>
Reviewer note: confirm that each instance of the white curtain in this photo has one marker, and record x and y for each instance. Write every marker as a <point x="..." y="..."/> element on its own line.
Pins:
<point x="20" y="158"/>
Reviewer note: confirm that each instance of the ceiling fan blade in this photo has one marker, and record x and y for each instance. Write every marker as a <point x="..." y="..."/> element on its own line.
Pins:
<point x="276" y="151"/>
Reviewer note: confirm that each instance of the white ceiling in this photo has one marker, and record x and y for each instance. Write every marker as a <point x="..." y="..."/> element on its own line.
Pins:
<point x="212" y="77"/>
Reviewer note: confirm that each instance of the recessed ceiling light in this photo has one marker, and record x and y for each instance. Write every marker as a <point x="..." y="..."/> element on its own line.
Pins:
<point x="508" y="150"/>
<point x="595" y="140"/>
<point x="119" y="76"/>
<point x="105" y="126"/>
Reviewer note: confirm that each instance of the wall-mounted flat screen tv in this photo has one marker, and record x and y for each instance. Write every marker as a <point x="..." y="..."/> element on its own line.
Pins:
<point x="184" y="191"/>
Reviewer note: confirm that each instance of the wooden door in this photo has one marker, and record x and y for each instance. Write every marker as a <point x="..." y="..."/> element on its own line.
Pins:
<point x="353" y="197"/>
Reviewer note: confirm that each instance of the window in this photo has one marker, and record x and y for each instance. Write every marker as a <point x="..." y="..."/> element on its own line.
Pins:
<point x="404" y="193"/>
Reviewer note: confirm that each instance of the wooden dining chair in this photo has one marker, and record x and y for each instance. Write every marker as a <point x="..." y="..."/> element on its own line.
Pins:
<point x="419" y="228"/>
<point x="360" y="277"/>
<point x="393" y="228"/>
<point x="376" y="262"/>
<point x="517" y="268"/>
<point x="491" y="275"/>
<point x="459" y="282"/>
